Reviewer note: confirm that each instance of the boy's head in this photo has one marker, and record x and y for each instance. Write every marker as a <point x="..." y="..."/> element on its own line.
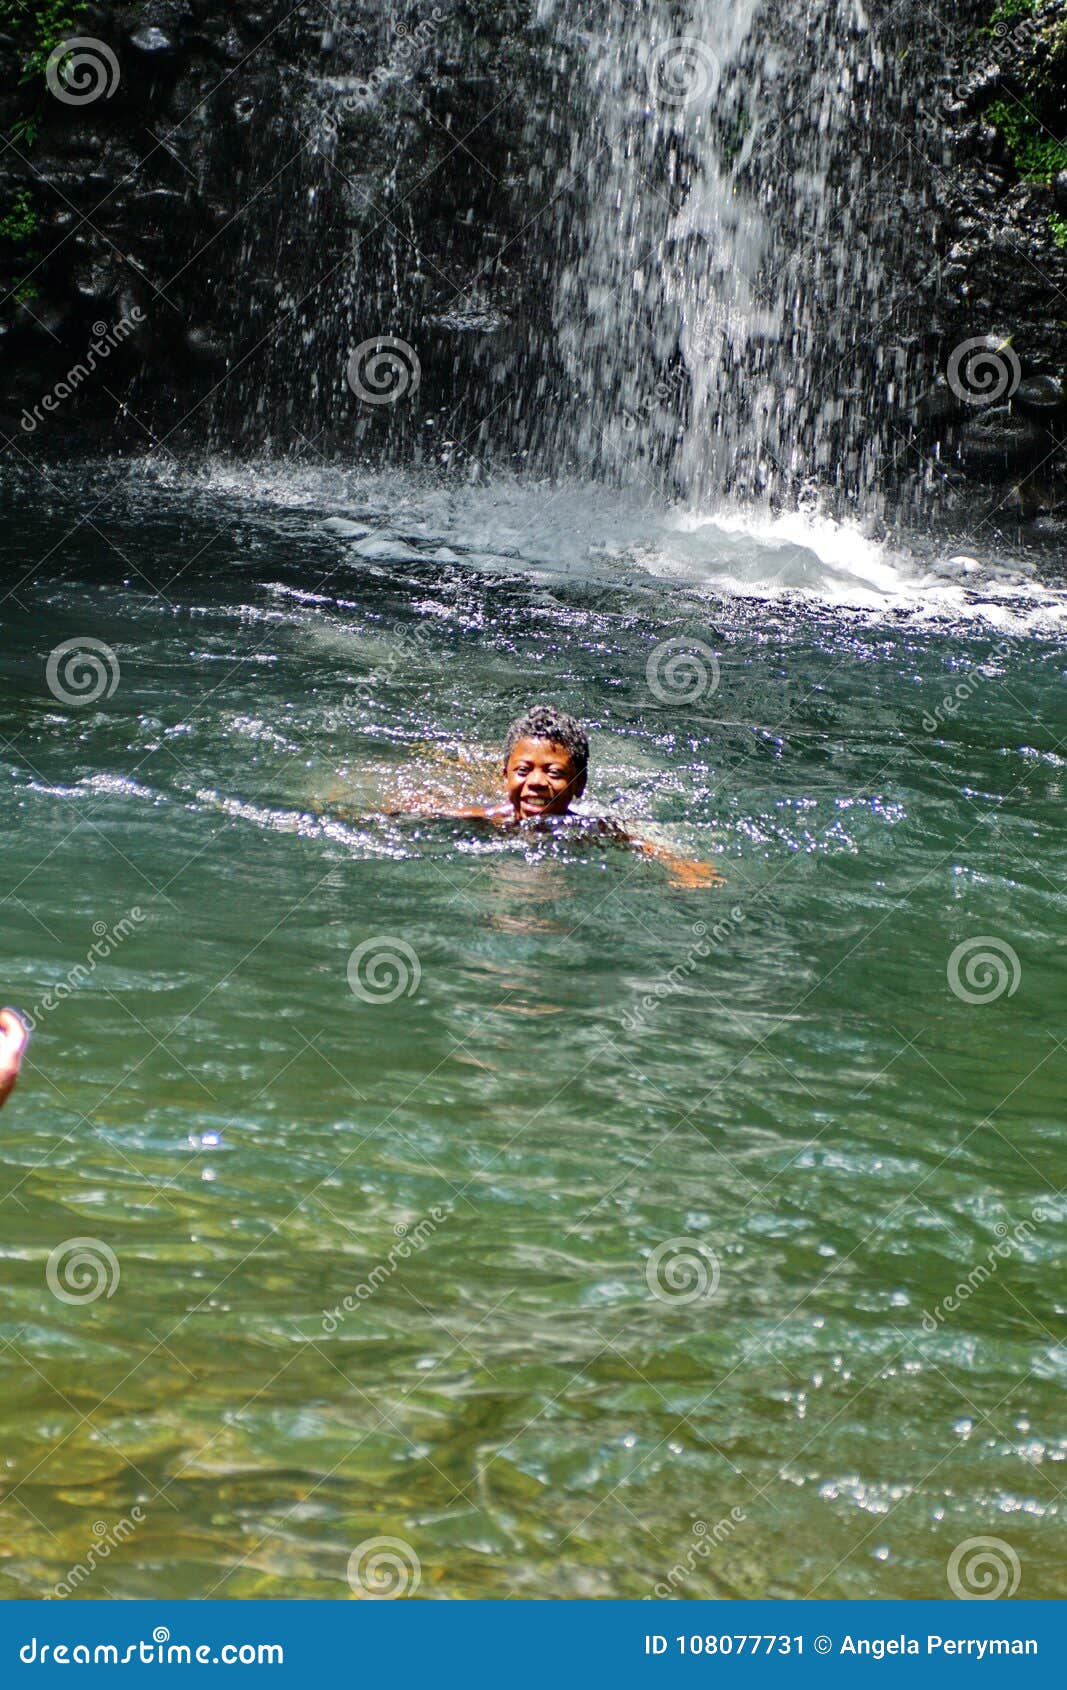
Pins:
<point x="546" y="761"/>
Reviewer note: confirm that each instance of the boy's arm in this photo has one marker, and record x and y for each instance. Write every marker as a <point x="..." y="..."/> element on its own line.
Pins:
<point x="683" y="871"/>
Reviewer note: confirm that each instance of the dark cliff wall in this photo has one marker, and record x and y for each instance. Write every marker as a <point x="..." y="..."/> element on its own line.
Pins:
<point x="253" y="191"/>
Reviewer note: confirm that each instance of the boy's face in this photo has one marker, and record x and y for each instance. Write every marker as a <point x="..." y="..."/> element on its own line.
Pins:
<point x="542" y="779"/>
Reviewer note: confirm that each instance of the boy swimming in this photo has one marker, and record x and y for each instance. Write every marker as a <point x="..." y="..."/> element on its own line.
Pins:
<point x="546" y="767"/>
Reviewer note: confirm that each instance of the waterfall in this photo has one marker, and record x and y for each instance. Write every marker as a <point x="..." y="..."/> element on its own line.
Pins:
<point x="642" y="240"/>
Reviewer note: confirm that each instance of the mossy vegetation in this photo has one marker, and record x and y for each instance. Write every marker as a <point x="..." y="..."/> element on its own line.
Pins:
<point x="38" y="28"/>
<point x="19" y="223"/>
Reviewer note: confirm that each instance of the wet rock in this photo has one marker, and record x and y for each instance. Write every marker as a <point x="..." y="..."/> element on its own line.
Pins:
<point x="151" y="43"/>
<point x="998" y="442"/>
<point x="204" y="351"/>
<point x="1042" y="397"/>
<point x="1059" y="191"/>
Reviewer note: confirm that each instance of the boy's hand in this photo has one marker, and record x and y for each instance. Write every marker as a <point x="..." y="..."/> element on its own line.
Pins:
<point x="13" y="1040"/>
<point x="691" y="874"/>
<point x="683" y="871"/>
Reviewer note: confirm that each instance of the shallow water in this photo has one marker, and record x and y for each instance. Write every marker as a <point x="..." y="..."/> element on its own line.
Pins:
<point x="567" y="1063"/>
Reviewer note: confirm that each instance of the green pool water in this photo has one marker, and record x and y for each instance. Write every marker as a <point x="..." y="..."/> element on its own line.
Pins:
<point x="706" y="1242"/>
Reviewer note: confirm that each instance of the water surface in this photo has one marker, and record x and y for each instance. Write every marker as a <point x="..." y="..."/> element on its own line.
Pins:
<point x="572" y="1063"/>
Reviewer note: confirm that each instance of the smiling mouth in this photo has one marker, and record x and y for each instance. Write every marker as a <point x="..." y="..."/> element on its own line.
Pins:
<point x="536" y="803"/>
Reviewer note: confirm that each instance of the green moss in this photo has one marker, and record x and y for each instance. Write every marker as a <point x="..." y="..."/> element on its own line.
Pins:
<point x="19" y="222"/>
<point x="1058" y="225"/>
<point x="37" y="28"/>
<point x="1038" y="155"/>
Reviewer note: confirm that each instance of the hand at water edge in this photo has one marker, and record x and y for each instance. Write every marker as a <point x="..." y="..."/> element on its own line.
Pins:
<point x="13" y="1041"/>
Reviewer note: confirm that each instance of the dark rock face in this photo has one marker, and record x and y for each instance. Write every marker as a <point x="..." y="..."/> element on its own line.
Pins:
<point x="270" y="188"/>
<point x="228" y="211"/>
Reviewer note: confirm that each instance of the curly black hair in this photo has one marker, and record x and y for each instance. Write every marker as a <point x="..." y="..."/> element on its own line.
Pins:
<point x="544" y="721"/>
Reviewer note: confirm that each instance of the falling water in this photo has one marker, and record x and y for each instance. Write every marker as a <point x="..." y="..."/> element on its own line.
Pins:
<point x="646" y="242"/>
